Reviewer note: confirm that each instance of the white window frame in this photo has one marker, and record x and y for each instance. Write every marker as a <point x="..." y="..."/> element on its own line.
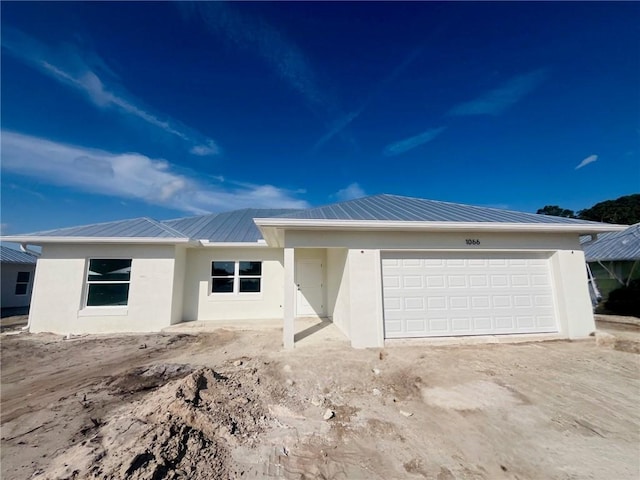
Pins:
<point x="98" y="282"/>
<point x="26" y="284"/>
<point x="236" y="278"/>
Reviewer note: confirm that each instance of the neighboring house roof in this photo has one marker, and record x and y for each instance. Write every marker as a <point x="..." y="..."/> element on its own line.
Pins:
<point x="11" y="255"/>
<point x="616" y="246"/>
<point x="407" y="209"/>
<point x="235" y="226"/>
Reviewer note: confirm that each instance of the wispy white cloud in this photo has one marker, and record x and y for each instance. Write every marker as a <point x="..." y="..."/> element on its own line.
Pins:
<point x="210" y="148"/>
<point x="280" y="54"/>
<point x="500" y="99"/>
<point x="410" y="143"/>
<point x="587" y="161"/>
<point x="344" y="121"/>
<point x="351" y="191"/>
<point x="132" y="175"/>
<point x="255" y="35"/>
<point x="82" y="72"/>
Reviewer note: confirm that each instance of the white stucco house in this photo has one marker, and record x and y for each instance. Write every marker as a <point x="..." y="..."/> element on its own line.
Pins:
<point x="380" y="267"/>
<point x="17" y="271"/>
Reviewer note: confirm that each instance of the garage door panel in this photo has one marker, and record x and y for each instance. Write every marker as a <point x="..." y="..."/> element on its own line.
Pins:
<point x="473" y="295"/>
<point x="478" y="281"/>
<point x="391" y="281"/>
<point x="437" y="303"/>
<point x="480" y="302"/>
<point x="456" y="281"/>
<point x="497" y="281"/>
<point x="412" y="281"/>
<point x="414" y="303"/>
<point x="434" y="281"/>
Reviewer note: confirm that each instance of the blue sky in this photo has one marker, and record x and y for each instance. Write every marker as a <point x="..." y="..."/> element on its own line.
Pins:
<point x="120" y="110"/>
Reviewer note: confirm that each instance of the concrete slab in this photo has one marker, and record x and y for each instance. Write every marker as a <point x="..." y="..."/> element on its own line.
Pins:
<point x="473" y="340"/>
<point x="309" y="331"/>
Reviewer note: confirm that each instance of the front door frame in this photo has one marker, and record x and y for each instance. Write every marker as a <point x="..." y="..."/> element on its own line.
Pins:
<point x="317" y="261"/>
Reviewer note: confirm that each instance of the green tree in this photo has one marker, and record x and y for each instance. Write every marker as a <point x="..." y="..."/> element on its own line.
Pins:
<point x="624" y="210"/>
<point x="556" y="211"/>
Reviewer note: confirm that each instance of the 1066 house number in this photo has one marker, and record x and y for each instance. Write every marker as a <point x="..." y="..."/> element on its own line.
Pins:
<point x="472" y="241"/>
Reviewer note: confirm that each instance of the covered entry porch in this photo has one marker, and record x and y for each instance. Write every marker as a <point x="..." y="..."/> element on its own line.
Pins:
<point x="339" y="285"/>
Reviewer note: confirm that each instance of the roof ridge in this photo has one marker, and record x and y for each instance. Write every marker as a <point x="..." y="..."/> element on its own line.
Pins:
<point x="166" y="228"/>
<point x="189" y="217"/>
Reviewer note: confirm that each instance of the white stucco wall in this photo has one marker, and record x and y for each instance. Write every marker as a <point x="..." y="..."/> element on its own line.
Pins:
<point x="58" y="302"/>
<point x="362" y="284"/>
<point x="573" y="304"/>
<point x="8" y="284"/>
<point x="338" y="282"/>
<point x="178" y="284"/>
<point x="365" y="290"/>
<point x="200" y="304"/>
<point x="432" y="241"/>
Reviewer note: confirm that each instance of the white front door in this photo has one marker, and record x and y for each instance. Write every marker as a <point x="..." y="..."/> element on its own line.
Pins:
<point x="310" y="289"/>
<point x="430" y="294"/>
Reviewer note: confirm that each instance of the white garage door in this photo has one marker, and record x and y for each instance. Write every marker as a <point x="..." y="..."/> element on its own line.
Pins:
<point x="429" y="295"/>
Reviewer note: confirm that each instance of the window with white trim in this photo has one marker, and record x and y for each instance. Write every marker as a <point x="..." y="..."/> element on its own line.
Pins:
<point x="236" y="277"/>
<point x="108" y="281"/>
<point x="22" y="283"/>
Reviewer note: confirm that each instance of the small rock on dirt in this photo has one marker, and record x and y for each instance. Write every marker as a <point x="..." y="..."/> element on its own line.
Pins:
<point x="376" y="371"/>
<point x="405" y="413"/>
<point x="328" y="414"/>
<point x="376" y="392"/>
<point x="317" y="400"/>
<point x="237" y="363"/>
<point x="604" y="339"/>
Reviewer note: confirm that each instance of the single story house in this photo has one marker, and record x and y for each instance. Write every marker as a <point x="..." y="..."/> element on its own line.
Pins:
<point x="380" y="267"/>
<point x="17" y="269"/>
<point x="614" y="258"/>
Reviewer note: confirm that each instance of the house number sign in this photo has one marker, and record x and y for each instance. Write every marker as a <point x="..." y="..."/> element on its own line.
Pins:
<point x="472" y="241"/>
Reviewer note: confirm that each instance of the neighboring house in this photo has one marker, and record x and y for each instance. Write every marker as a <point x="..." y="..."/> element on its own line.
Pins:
<point x="18" y="269"/>
<point x="614" y="258"/>
<point x="380" y="267"/>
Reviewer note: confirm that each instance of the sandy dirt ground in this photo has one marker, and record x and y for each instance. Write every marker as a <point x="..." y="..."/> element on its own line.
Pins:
<point x="231" y="404"/>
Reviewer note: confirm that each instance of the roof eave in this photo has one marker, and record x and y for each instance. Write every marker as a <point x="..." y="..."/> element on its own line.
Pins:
<point x="611" y="259"/>
<point x="208" y="243"/>
<point x="36" y="240"/>
<point x="377" y="225"/>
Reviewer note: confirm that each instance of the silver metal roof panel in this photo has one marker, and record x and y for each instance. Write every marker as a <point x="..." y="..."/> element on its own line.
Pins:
<point x="398" y="208"/>
<point x="11" y="255"/>
<point x="618" y="246"/>
<point x="228" y="227"/>
<point x="135" y="228"/>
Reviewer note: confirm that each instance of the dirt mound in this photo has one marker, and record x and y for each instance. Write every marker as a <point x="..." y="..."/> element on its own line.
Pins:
<point x="185" y="429"/>
<point x="148" y="378"/>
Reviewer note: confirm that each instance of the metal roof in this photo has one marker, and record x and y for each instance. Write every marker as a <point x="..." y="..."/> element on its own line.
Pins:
<point x="11" y="255"/>
<point x="235" y="226"/>
<point x="239" y="227"/>
<point x="386" y="207"/>
<point x="135" y="228"/>
<point x="620" y="246"/>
